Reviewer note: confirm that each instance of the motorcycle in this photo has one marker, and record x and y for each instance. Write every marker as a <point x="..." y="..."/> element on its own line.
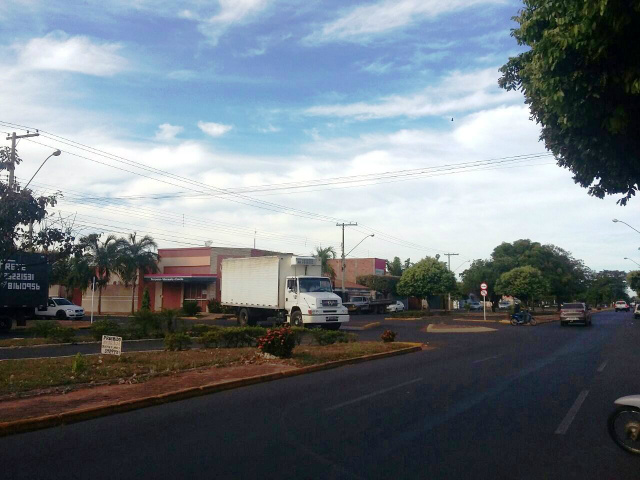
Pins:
<point x="522" y="318"/>
<point x="624" y="424"/>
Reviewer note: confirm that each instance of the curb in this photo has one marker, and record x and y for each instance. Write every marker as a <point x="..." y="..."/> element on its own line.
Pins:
<point x="368" y="326"/>
<point x="38" y="423"/>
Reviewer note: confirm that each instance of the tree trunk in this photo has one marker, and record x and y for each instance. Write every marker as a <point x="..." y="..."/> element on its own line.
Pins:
<point x="133" y="295"/>
<point x="99" y="300"/>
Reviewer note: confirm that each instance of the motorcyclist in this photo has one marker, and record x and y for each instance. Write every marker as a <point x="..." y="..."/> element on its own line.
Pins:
<point x="516" y="310"/>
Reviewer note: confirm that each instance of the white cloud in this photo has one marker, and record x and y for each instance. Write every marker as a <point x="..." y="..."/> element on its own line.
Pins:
<point x="59" y="51"/>
<point x="167" y="132"/>
<point x="269" y="129"/>
<point x="182" y="75"/>
<point x="377" y="67"/>
<point x="231" y="12"/>
<point x="456" y="92"/>
<point x="361" y="23"/>
<point x="214" y="129"/>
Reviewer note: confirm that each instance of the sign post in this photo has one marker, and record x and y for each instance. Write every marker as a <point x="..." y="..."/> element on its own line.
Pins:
<point x="93" y="289"/>
<point x="483" y="292"/>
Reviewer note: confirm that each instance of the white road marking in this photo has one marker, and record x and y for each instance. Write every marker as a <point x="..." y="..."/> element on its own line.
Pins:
<point x="601" y="367"/>
<point x="571" y="414"/>
<point x="370" y="395"/>
<point x="485" y="359"/>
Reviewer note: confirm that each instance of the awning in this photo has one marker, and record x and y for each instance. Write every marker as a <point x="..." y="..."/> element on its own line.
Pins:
<point x="172" y="278"/>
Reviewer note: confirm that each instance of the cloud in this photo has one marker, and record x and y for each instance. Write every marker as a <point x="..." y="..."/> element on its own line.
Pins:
<point x="377" y="67"/>
<point x="269" y="129"/>
<point x="456" y="92"/>
<point x="231" y="12"/>
<point x="79" y="54"/>
<point x="362" y="23"/>
<point x="214" y="129"/>
<point x="182" y="75"/>
<point x="168" y="132"/>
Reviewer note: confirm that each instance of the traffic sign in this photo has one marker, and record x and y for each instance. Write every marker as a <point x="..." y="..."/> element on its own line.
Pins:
<point x="483" y="286"/>
<point x="483" y="293"/>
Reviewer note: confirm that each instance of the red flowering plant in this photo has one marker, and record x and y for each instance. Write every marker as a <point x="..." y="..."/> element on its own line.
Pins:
<point x="388" y="336"/>
<point x="278" y="341"/>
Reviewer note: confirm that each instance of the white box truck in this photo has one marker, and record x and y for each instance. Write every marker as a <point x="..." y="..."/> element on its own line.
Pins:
<point x="284" y="288"/>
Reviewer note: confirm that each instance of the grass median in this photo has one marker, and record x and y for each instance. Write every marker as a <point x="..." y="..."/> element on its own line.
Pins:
<point x="18" y="376"/>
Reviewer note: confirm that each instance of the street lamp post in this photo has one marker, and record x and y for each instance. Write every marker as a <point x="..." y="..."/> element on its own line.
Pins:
<point x="627" y="258"/>
<point x="344" y="260"/>
<point x="615" y="220"/>
<point x="54" y="154"/>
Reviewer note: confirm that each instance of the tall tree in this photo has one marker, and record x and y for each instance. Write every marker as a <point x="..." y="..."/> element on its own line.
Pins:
<point x="136" y="255"/>
<point x="526" y="283"/>
<point x="607" y="286"/>
<point x="426" y="278"/>
<point x="633" y="279"/>
<point x="103" y="258"/>
<point x="395" y="267"/>
<point x="72" y="273"/>
<point x="581" y="80"/>
<point x="325" y="254"/>
<point x="385" y="284"/>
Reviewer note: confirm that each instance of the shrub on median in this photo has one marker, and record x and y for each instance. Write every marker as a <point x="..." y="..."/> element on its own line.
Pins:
<point x="329" y="337"/>
<point x="104" y="327"/>
<point x="62" y="334"/>
<point x="388" y="336"/>
<point x="190" y="308"/>
<point x="232" y="337"/>
<point x="278" y="341"/>
<point x="43" y="328"/>
<point x="177" y="341"/>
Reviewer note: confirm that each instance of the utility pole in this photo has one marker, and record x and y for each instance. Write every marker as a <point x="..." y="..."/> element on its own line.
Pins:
<point x="12" y="164"/>
<point x="449" y="255"/>
<point x="343" y="260"/>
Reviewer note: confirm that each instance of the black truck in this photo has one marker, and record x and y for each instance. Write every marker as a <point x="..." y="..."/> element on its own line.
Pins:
<point x="24" y="285"/>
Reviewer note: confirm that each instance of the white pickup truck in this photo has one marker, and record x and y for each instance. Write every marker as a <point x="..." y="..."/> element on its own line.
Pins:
<point x="59" y="308"/>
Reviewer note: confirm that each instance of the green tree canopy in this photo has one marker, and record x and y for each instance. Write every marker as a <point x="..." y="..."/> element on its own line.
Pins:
<point x="385" y="284"/>
<point x="607" y="286"/>
<point x="104" y="258"/>
<point x="426" y="278"/>
<point x="395" y="267"/>
<point x="325" y="254"/>
<point x="581" y="80"/>
<point x="525" y="283"/>
<point x="633" y="279"/>
<point x="136" y="254"/>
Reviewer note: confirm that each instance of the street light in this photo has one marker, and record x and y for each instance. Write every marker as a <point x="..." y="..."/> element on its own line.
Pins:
<point x="627" y="258"/>
<point x="54" y="154"/>
<point x="343" y="262"/>
<point x="615" y="220"/>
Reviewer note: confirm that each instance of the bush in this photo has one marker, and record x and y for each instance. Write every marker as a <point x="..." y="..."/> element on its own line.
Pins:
<point x="43" y="328"/>
<point x="199" y="329"/>
<point x="214" y="306"/>
<point x="104" y="327"/>
<point x="177" y="341"/>
<point x="190" y="308"/>
<point x="146" y="321"/>
<point x="79" y="365"/>
<point x="231" y="337"/>
<point x="168" y="319"/>
<point x="146" y="300"/>
<point x="329" y="337"/>
<point x="299" y="334"/>
<point x="278" y="341"/>
<point x="62" y="334"/>
<point x="388" y="336"/>
<point x="211" y="338"/>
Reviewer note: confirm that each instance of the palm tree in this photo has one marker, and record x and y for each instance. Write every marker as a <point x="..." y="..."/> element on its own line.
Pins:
<point x="103" y="258"/>
<point x="136" y="256"/>
<point x="325" y="254"/>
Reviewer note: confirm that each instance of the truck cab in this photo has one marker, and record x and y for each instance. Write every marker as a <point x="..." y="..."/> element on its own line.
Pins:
<point x="310" y="300"/>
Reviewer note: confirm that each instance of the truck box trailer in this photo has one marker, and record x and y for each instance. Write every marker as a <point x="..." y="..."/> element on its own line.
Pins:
<point x="284" y="288"/>
<point x="24" y="285"/>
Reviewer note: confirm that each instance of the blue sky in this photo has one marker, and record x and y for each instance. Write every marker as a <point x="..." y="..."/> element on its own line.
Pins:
<point x="253" y="92"/>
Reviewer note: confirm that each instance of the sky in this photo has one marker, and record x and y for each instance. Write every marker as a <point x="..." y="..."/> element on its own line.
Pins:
<point x="266" y="121"/>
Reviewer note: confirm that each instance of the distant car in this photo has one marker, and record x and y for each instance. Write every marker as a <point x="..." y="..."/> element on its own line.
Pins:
<point x="504" y="305"/>
<point x="622" y="305"/>
<point x="59" y="308"/>
<point x="636" y="312"/>
<point x="575" y="313"/>
<point x="396" y="307"/>
<point x="475" y="306"/>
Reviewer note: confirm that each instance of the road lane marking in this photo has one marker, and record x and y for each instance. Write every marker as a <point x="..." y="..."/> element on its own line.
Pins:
<point x="373" y="394"/>
<point x="601" y="367"/>
<point x="488" y="358"/>
<point x="571" y="414"/>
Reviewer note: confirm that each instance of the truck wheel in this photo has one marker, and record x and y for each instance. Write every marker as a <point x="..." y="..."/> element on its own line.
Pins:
<point x="60" y="315"/>
<point x="296" y="319"/>
<point x="243" y="317"/>
<point x="5" y="324"/>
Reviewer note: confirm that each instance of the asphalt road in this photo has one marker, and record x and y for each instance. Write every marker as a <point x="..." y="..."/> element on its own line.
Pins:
<point x="517" y="403"/>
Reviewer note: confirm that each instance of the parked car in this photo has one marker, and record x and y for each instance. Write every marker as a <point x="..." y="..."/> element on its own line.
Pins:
<point x="636" y="312"/>
<point x="396" y="307"/>
<point x="575" y="313"/>
<point x="474" y="306"/>
<point x="622" y="305"/>
<point x="59" y="308"/>
<point x="504" y="305"/>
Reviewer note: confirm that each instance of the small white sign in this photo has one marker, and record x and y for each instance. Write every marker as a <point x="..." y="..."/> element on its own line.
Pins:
<point x="483" y="286"/>
<point x="111" y="345"/>
<point x="483" y="293"/>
